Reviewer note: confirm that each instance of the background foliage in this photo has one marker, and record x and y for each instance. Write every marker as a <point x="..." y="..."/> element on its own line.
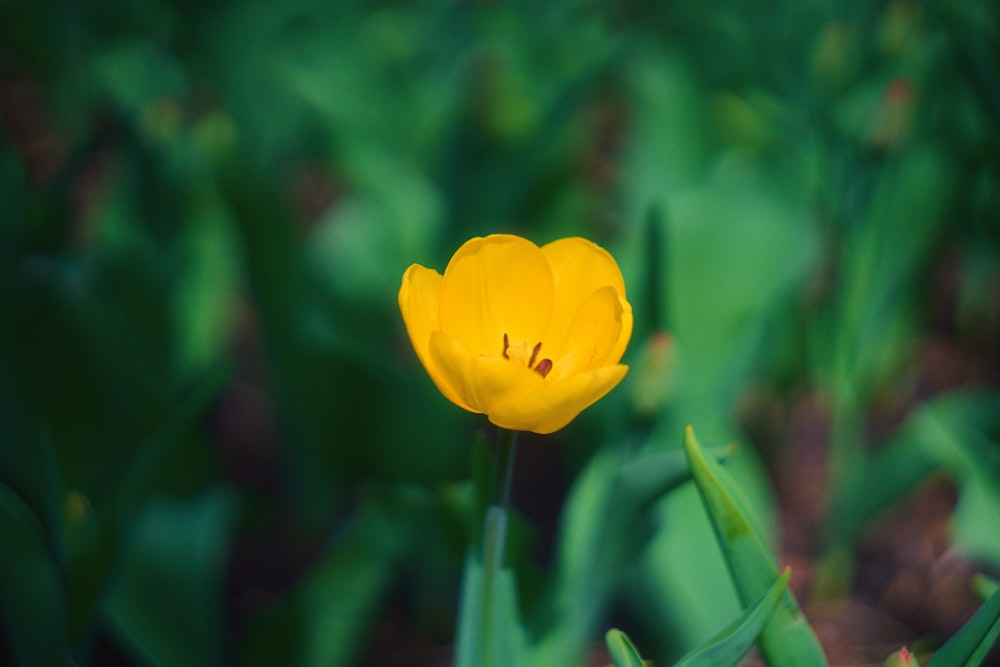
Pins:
<point x="216" y="444"/>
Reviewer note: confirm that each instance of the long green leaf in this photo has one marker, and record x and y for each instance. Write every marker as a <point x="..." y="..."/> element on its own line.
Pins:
<point x="650" y="477"/>
<point x="985" y="586"/>
<point x="593" y="546"/>
<point x="507" y="643"/>
<point x="166" y="605"/>
<point x="728" y="646"/>
<point x="32" y="591"/>
<point x="787" y="639"/>
<point x="603" y="526"/>
<point x="970" y="644"/>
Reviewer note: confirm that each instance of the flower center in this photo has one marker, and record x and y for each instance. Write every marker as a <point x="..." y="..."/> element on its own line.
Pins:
<point x="518" y="353"/>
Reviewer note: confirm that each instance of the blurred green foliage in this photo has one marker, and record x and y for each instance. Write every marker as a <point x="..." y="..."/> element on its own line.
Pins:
<point x="216" y="445"/>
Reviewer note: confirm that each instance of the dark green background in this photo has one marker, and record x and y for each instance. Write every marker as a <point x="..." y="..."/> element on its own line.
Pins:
<point x="216" y="444"/>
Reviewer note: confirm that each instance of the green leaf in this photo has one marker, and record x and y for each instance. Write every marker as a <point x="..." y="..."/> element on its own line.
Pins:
<point x="950" y="433"/>
<point x="325" y="620"/>
<point x="728" y="646"/>
<point x="739" y="243"/>
<point x="984" y="586"/>
<point x="593" y="541"/>
<point x="32" y="592"/>
<point x="900" y="233"/>
<point x="168" y="604"/>
<point x="653" y="475"/>
<point x="206" y="297"/>
<point x="954" y="432"/>
<point x="622" y="650"/>
<point x="877" y="482"/>
<point x="507" y="641"/>
<point x="605" y="525"/>
<point x="787" y="639"/>
<point x="971" y="644"/>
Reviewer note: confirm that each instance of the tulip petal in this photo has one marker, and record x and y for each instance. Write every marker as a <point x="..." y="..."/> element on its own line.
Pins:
<point x="598" y="333"/>
<point x="579" y="267"/>
<point x="513" y="396"/>
<point x="495" y="285"/>
<point x="549" y="406"/>
<point x="477" y="380"/>
<point x="624" y="335"/>
<point x="419" y="301"/>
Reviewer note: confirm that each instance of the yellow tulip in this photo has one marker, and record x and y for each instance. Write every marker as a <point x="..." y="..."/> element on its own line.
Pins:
<point x="528" y="336"/>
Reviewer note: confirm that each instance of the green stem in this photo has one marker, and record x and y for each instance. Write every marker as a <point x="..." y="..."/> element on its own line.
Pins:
<point x="835" y="567"/>
<point x="504" y="470"/>
<point x="494" y="540"/>
<point x="847" y="437"/>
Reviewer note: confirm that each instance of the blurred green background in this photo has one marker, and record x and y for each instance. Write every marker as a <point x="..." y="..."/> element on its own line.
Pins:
<point x="216" y="443"/>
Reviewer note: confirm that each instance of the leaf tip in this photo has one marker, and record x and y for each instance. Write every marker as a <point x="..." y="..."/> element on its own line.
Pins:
<point x="690" y="442"/>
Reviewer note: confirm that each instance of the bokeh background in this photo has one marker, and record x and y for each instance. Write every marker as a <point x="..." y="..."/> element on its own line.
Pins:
<point x="216" y="443"/>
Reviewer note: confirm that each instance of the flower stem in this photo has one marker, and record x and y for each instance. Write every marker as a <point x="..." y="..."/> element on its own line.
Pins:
<point x="834" y="570"/>
<point x="504" y="470"/>
<point x="494" y="541"/>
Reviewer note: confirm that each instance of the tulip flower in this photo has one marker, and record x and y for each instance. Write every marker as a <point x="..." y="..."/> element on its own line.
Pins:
<point x="528" y="336"/>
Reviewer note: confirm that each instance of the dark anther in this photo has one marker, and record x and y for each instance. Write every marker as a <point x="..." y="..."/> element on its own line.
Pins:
<point x="534" y="354"/>
<point x="506" y="344"/>
<point x="544" y="367"/>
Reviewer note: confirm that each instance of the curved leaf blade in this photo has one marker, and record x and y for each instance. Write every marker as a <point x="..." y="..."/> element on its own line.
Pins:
<point x="971" y="644"/>
<point x="506" y="644"/>
<point x="32" y="590"/>
<point x="622" y="650"/>
<point x="787" y="638"/>
<point x="727" y="647"/>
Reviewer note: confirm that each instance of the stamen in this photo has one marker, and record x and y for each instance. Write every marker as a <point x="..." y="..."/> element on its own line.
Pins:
<point x="534" y="354"/>
<point x="518" y="353"/>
